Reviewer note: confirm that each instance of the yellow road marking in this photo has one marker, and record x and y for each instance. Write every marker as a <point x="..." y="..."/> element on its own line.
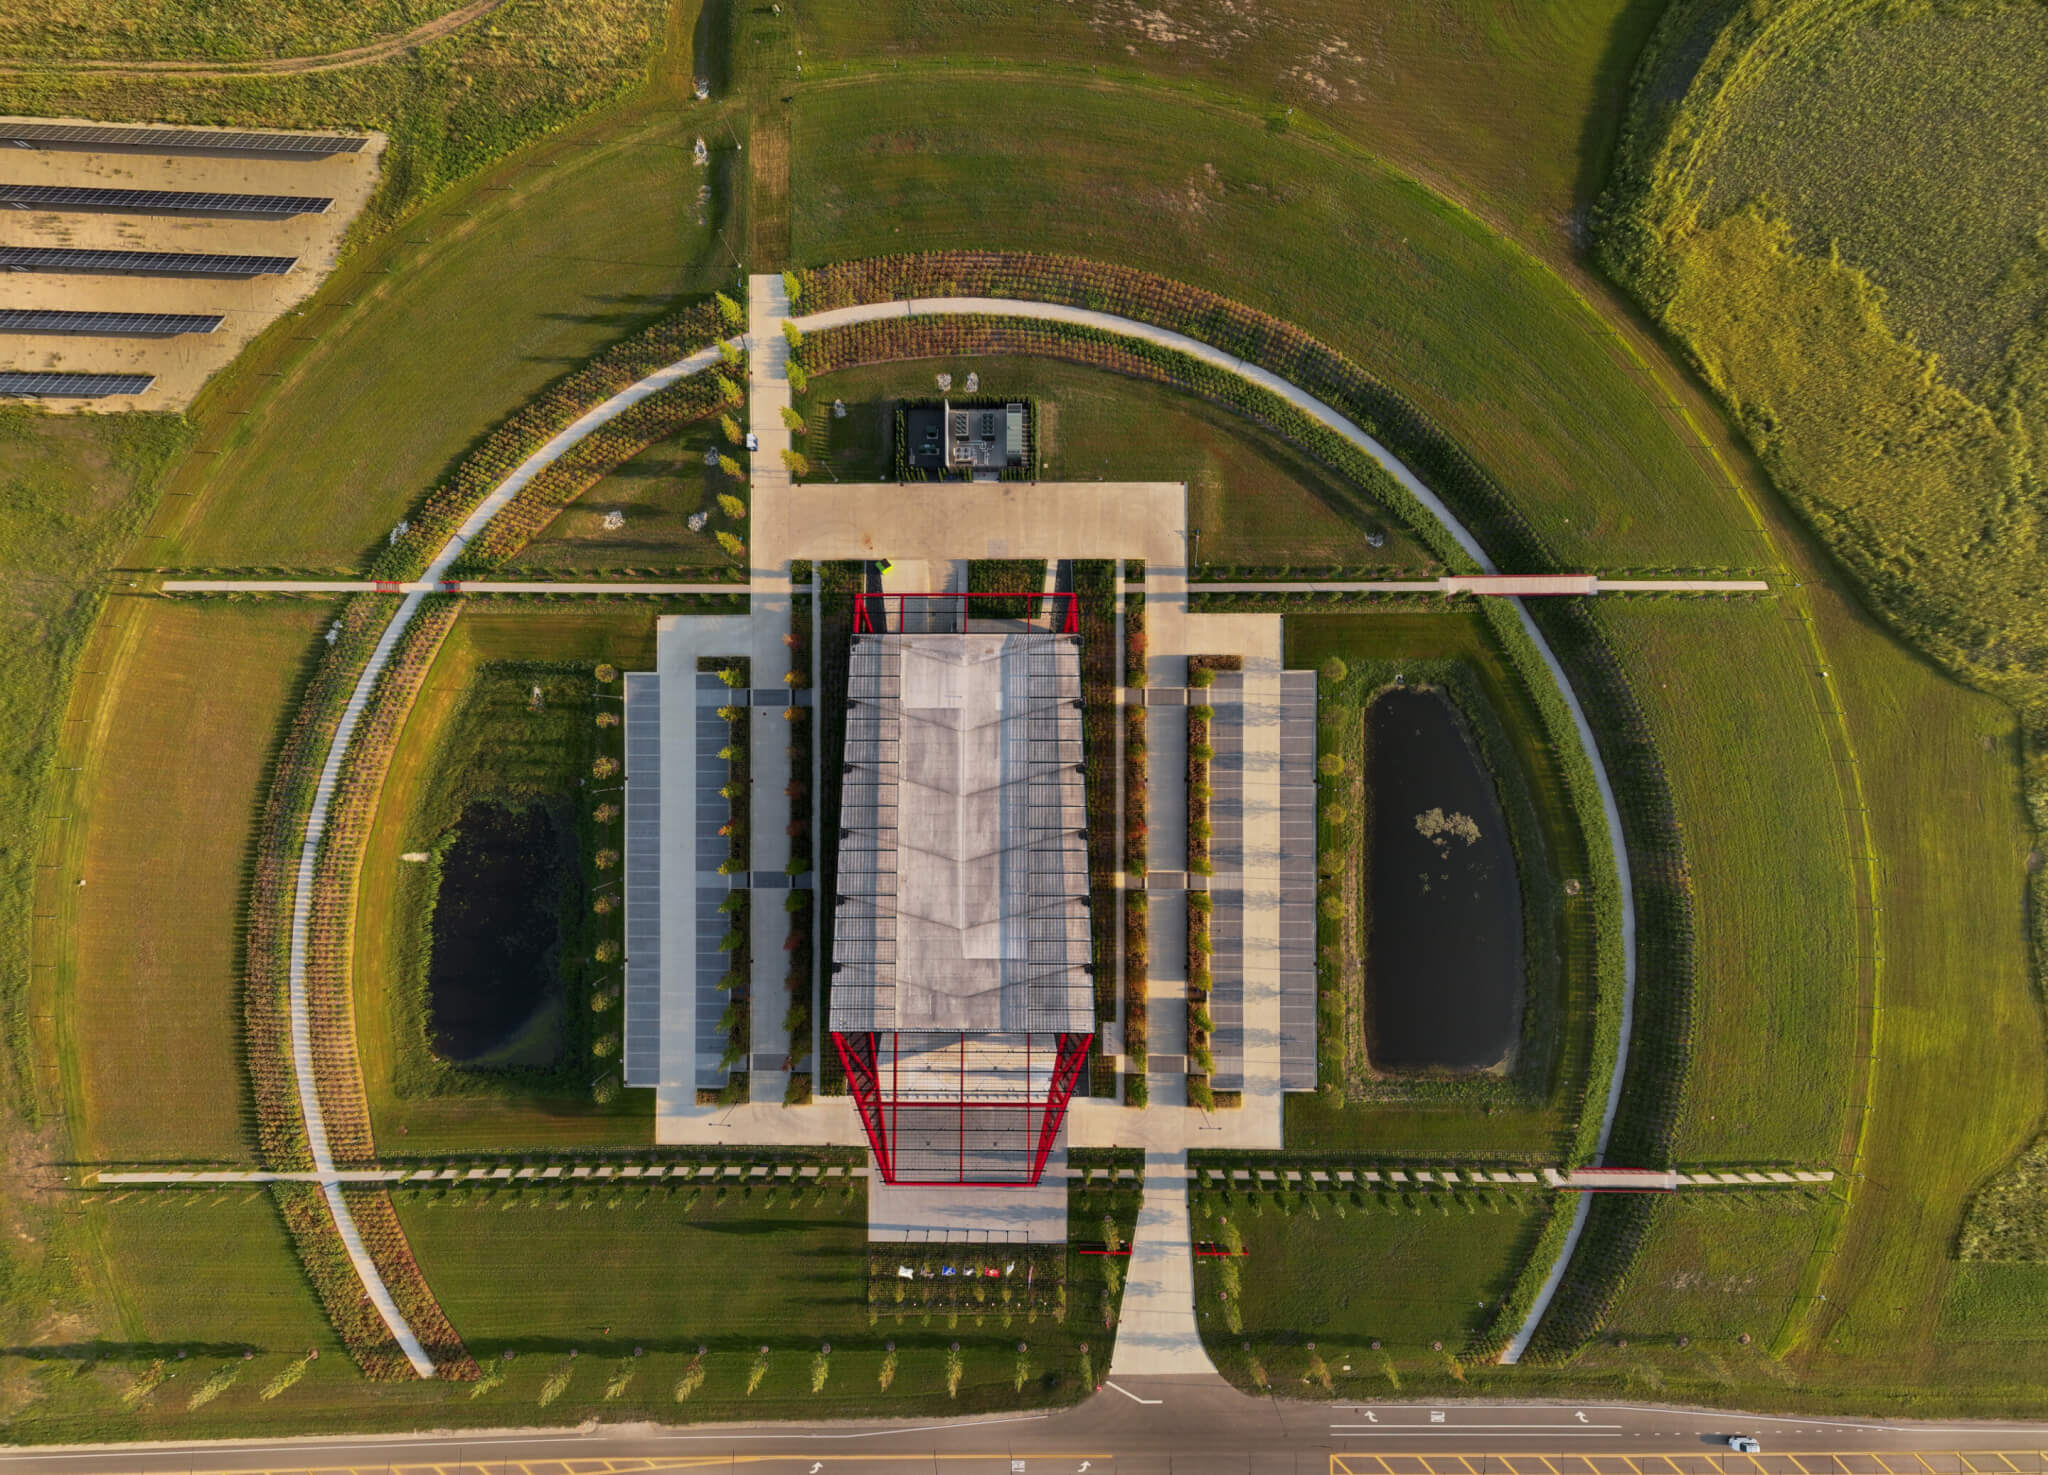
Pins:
<point x="1835" y="1462"/>
<point x="636" y="1465"/>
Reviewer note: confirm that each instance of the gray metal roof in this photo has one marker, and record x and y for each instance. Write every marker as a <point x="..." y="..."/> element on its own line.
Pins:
<point x="643" y="878"/>
<point x="1297" y="880"/>
<point x="963" y="867"/>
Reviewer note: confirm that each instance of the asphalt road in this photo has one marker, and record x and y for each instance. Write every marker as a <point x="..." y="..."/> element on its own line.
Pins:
<point x="1196" y="1426"/>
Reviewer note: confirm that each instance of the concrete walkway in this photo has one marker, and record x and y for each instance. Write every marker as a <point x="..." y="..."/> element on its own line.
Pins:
<point x="444" y="586"/>
<point x="1326" y="415"/>
<point x="1512" y="586"/>
<point x="768" y="395"/>
<point x="316" y="825"/>
<point x="1156" y="1334"/>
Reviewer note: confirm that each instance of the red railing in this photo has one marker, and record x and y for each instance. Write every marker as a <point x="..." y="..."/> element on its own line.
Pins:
<point x="871" y="611"/>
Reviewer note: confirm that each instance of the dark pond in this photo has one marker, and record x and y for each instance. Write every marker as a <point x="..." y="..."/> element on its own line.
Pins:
<point x="495" y="967"/>
<point x="1444" y="941"/>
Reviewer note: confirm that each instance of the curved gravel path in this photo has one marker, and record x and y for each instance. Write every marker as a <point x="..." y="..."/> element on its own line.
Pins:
<point x="381" y="49"/>
<point x="1309" y="405"/>
<point x="316" y="824"/>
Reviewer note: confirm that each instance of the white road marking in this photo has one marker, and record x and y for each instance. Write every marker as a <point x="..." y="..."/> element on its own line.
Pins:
<point x="1130" y="1395"/>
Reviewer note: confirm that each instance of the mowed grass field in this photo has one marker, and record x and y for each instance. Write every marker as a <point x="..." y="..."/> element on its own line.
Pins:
<point x="1478" y="334"/>
<point x="660" y="1271"/>
<point x="1714" y="1268"/>
<point x="1406" y="1270"/>
<point x="439" y="333"/>
<point x="500" y="1115"/>
<point x="174" y="774"/>
<point x="1732" y="699"/>
<point x="1509" y="108"/>
<point x="1257" y="499"/>
<point x="1960" y="1077"/>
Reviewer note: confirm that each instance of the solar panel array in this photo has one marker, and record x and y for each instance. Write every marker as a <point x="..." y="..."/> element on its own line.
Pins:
<point x="176" y="140"/>
<point x="107" y="324"/>
<point x="73" y="386"/>
<point x="156" y="201"/>
<point x="142" y="263"/>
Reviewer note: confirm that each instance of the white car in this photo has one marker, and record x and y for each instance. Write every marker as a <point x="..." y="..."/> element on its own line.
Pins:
<point x="753" y="441"/>
<point x="1743" y="1444"/>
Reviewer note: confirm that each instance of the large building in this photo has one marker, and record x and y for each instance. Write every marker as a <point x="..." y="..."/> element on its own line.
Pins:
<point x="962" y="1004"/>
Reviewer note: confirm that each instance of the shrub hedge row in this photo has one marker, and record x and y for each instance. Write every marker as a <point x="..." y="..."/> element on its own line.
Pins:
<point x="584" y="464"/>
<point x="533" y="425"/>
<point x="337" y="1069"/>
<point x="266" y="1017"/>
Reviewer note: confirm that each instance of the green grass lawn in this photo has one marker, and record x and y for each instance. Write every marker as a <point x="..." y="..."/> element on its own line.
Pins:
<point x="1476" y="333"/>
<point x="1960" y="1080"/>
<point x="1731" y="700"/>
<point x="1405" y="1270"/>
<point x="1717" y="1266"/>
<point x="238" y="30"/>
<point x="72" y="491"/>
<point x="1537" y="1119"/>
<point x="542" y="1273"/>
<point x="1257" y="499"/>
<point x="1510" y="108"/>
<point x="658" y="491"/>
<point x="150" y="1002"/>
<point x="512" y="287"/>
<point x="469" y="735"/>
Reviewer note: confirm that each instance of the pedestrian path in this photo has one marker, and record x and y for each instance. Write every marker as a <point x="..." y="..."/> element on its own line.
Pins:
<point x="323" y="795"/>
<point x="1512" y="586"/>
<point x="1156" y="1334"/>
<point x="768" y="395"/>
<point x="440" y="586"/>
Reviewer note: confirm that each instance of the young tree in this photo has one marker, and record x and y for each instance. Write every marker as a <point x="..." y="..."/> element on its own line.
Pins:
<point x="730" y="544"/>
<point x="793" y="334"/>
<point x="798" y="379"/>
<point x="732" y="468"/>
<point x="796" y="462"/>
<point x="735" y="316"/>
<point x="794" y="286"/>
<point x="792" y="418"/>
<point x="730" y="429"/>
<point x="732" y="506"/>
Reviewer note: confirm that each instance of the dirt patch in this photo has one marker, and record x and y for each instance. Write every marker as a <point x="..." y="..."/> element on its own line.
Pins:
<point x="181" y="365"/>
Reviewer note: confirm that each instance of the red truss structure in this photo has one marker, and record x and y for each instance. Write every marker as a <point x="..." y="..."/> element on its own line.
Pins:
<point x="942" y="613"/>
<point x="992" y="1124"/>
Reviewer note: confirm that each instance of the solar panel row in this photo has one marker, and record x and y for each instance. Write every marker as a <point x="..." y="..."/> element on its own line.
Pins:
<point x="73" y="386"/>
<point x="176" y="140"/>
<point x="141" y="263"/>
<point x="107" y="324"/>
<point x="156" y="201"/>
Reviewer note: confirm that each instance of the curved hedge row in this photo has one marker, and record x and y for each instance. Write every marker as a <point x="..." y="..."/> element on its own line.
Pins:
<point x="583" y="465"/>
<point x="532" y="426"/>
<point x="891" y="339"/>
<point x="337" y="1069"/>
<point x="267" y="1035"/>
<point x="340" y="1289"/>
<point x="384" y="1237"/>
<point x="1259" y="338"/>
